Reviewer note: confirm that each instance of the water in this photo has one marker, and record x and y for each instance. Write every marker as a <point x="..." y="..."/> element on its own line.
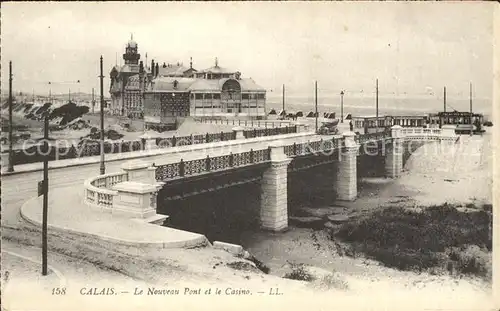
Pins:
<point x="365" y="106"/>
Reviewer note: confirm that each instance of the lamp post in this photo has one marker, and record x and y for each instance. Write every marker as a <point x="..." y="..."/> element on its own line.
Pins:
<point x="11" y="154"/>
<point x="342" y="106"/>
<point x="102" y="168"/>
<point x="316" y="104"/>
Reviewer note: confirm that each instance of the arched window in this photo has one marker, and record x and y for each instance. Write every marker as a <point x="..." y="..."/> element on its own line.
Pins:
<point x="231" y="90"/>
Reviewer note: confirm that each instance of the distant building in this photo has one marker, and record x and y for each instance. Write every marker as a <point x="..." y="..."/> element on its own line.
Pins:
<point x="213" y="92"/>
<point x="128" y="83"/>
<point x="165" y="94"/>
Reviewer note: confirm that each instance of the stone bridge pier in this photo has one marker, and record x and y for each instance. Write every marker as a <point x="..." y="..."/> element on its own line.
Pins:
<point x="274" y="198"/>
<point x="347" y="183"/>
<point x="394" y="153"/>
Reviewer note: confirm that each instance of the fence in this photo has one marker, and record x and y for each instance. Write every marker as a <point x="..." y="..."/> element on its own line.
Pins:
<point x="222" y="136"/>
<point x="194" y="139"/>
<point x="37" y="153"/>
<point x="239" y="122"/>
<point x="270" y="131"/>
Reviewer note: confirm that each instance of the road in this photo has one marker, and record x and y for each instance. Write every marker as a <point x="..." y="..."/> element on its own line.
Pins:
<point x="17" y="188"/>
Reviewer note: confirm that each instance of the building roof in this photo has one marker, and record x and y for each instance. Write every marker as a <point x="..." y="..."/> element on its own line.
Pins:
<point x="173" y="70"/>
<point x="217" y="69"/>
<point x="163" y="84"/>
<point x="249" y="84"/>
<point x="205" y="85"/>
<point x="201" y="85"/>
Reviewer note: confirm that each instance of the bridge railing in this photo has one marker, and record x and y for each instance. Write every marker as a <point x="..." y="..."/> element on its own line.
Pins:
<point x="239" y="122"/>
<point x="222" y="136"/>
<point x="361" y="139"/>
<point x="183" y="168"/>
<point x="420" y="131"/>
<point x="98" y="191"/>
<point x="308" y="148"/>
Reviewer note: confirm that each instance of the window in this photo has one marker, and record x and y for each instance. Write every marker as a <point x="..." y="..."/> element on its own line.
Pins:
<point x="244" y="96"/>
<point x="261" y="96"/>
<point x="199" y="96"/>
<point x="216" y="96"/>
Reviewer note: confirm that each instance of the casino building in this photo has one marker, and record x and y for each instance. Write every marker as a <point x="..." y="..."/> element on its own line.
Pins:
<point x="165" y="95"/>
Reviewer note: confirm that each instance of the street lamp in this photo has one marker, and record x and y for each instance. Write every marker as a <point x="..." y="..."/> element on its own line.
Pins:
<point x="102" y="168"/>
<point x="10" y="167"/>
<point x="342" y="106"/>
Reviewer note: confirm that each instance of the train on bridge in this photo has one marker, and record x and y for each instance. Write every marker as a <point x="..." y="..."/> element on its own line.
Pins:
<point x="465" y="122"/>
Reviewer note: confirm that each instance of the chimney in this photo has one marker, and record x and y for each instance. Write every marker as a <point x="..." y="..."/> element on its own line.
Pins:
<point x="157" y="69"/>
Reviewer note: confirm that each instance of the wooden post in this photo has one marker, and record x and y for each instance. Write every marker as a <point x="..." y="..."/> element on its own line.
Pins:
<point x="181" y="168"/>
<point x="10" y="167"/>
<point x="102" y="168"/>
<point x="316" y="103"/>
<point x="45" y="196"/>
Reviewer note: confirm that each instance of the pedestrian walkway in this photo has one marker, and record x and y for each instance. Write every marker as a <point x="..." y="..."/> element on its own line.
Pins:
<point x="68" y="214"/>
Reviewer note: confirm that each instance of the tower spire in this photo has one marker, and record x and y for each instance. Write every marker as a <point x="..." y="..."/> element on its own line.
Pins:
<point x="191" y="62"/>
<point x="216" y="62"/>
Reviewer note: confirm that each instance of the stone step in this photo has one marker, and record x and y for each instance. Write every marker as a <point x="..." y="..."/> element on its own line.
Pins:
<point x="337" y="219"/>
<point x="156" y="219"/>
<point x="306" y="222"/>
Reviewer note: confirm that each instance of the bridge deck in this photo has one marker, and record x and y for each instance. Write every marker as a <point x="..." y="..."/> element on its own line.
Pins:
<point x="68" y="213"/>
<point x="174" y="154"/>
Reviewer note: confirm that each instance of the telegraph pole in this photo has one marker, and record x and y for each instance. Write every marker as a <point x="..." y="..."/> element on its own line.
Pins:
<point x="470" y="106"/>
<point x="444" y="99"/>
<point x="45" y="190"/>
<point x="342" y="106"/>
<point x="93" y="101"/>
<point x="283" y="97"/>
<point x="376" y="103"/>
<point x="316" y="103"/>
<point x="10" y="168"/>
<point x="102" y="168"/>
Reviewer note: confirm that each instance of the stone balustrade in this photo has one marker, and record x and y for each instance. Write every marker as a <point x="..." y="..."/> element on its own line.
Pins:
<point x="131" y="192"/>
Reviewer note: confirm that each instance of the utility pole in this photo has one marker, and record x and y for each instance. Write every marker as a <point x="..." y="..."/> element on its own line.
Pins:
<point x="316" y="103"/>
<point x="444" y="99"/>
<point x="45" y="190"/>
<point x="376" y="103"/>
<point x="102" y="168"/>
<point x="283" y="97"/>
<point x="10" y="168"/>
<point x="93" y="101"/>
<point x="470" y="106"/>
<point x="342" y="106"/>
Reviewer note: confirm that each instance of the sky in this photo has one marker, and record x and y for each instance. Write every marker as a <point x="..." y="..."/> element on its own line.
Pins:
<point x="411" y="47"/>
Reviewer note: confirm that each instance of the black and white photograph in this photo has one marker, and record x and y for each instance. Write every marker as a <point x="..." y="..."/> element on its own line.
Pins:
<point x="284" y="155"/>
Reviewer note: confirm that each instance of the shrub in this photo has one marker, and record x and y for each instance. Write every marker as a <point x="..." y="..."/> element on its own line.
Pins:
<point x="411" y="240"/>
<point x="299" y="273"/>
<point x="469" y="259"/>
<point x="332" y="281"/>
<point x="488" y="123"/>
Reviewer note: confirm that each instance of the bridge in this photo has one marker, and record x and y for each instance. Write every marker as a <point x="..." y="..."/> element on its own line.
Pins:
<point x="177" y="172"/>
